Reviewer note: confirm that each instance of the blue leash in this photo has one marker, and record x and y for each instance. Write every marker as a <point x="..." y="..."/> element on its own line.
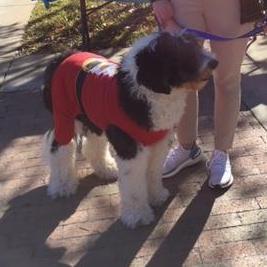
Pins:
<point x="212" y="37"/>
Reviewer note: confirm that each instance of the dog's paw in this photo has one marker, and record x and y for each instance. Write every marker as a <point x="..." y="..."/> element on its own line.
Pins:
<point x="65" y="189"/>
<point x="134" y="217"/>
<point x="159" y="198"/>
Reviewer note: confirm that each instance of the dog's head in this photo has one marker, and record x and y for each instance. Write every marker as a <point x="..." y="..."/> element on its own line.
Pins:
<point x="168" y="62"/>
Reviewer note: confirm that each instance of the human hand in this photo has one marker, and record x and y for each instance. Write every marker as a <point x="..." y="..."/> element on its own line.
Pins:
<point x="171" y="26"/>
<point x="163" y="11"/>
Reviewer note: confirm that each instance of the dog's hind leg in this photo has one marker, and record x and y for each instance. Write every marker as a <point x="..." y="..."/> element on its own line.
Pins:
<point x="157" y="194"/>
<point x="96" y="150"/>
<point x="61" y="161"/>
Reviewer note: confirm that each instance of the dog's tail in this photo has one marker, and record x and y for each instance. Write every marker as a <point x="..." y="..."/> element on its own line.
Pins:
<point x="48" y="76"/>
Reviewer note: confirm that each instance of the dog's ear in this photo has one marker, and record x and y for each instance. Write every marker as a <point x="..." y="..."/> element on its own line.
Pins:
<point x="153" y="70"/>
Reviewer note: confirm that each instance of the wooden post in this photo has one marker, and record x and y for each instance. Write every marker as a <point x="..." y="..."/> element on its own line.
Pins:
<point x="84" y="27"/>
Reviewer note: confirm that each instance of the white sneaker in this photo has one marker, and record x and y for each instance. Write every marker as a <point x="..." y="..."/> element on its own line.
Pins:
<point x="179" y="158"/>
<point x="219" y="168"/>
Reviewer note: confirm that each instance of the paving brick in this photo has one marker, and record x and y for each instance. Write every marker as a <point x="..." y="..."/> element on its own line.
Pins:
<point x="14" y="188"/>
<point x="140" y="262"/>
<point x="262" y="202"/>
<point x="105" y="189"/>
<point x="255" y="216"/>
<point x="78" y="217"/>
<point x="86" y="228"/>
<point x="254" y="179"/>
<point x="186" y="192"/>
<point x="115" y="199"/>
<point x="241" y="190"/>
<point x="149" y="247"/>
<point x="222" y="221"/>
<point x="70" y="250"/>
<point x="162" y="230"/>
<point x="148" y="253"/>
<point x="225" y="263"/>
<point x="193" y="259"/>
<point x="172" y="215"/>
<point x="231" y="234"/>
<point x="244" y="166"/>
<point x="255" y="133"/>
<point x="234" y="205"/>
<point x="96" y="202"/>
<point x="259" y="261"/>
<point x="23" y="158"/>
<point x="102" y="213"/>
<point x="261" y="246"/>
<point x="227" y="251"/>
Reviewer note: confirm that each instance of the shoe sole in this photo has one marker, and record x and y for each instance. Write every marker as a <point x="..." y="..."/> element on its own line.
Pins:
<point x="201" y="157"/>
<point x="223" y="186"/>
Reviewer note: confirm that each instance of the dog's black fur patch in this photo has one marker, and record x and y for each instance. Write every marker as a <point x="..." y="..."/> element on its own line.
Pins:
<point x="82" y="117"/>
<point x="136" y="108"/>
<point x="89" y="124"/>
<point x="124" y="145"/>
<point x="54" y="146"/>
<point x="168" y="63"/>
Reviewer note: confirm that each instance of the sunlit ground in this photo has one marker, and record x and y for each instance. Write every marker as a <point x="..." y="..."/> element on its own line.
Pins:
<point x="196" y="226"/>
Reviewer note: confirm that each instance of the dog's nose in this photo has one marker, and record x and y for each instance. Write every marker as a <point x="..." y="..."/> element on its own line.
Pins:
<point x="213" y="63"/>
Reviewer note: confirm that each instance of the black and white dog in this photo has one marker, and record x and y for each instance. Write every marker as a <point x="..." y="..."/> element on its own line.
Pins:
<point x="133" y="106"/>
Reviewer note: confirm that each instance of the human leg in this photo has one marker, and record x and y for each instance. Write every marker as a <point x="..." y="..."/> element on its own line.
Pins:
<point x="188" y="13"/>
<point x="227" y="79"/>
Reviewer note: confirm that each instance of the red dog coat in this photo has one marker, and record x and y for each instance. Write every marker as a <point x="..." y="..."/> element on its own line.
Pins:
<point x="95" y="75"/>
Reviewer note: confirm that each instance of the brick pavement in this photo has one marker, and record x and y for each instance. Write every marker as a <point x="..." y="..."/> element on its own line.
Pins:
<point x="197" y="227"/>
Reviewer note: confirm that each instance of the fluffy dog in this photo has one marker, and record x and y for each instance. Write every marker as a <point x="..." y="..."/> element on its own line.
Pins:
<point x="133" y="106"/>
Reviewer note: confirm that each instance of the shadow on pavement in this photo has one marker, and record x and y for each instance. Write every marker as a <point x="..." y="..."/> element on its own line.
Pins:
<point x="121" y="245"/>
<point x="29" y="221"/>
<point x="22" y="114"/>
<point x="180" y="241"/>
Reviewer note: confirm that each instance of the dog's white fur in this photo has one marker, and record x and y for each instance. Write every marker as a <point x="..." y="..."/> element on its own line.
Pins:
<point x="139" y="179"/>
<point x="63" y="176"/>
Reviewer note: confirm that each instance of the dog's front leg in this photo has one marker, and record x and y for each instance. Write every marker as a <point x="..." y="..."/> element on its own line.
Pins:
<point x="132" y="160"/>
<point x="157" y="194"/>
<point x="133" y="190"/>
<point x="61" y="161"/>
